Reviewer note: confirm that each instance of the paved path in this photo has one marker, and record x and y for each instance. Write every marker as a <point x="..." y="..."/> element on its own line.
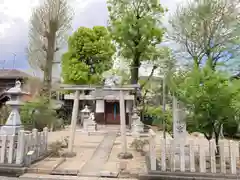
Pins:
<point x="94" y="166"/>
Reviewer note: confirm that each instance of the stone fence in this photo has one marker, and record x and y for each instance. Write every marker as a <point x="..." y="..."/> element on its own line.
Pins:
<point x="192" y="157"/>
<point x="24" y="148"/>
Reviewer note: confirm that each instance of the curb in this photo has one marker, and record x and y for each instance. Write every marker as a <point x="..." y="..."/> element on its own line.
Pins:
<point x="30" y="176"/>
<point x="43" y="170"/>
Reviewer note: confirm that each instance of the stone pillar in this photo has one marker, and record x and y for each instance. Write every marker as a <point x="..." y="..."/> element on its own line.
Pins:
<point x="124" y="154"/>
<point x="73" y="123"/>
<point x="179" y="124"/>
<point x="179" y="134"/>
<point x="137" y="125"/>
<point x="13" y="124"/>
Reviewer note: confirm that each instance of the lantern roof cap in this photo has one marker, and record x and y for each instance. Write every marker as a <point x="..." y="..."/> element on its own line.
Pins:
<point x="86" y="110"/>
<point x="16" y="89"/>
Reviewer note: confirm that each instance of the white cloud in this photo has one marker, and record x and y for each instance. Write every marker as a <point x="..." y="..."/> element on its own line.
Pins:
<point x="18" y="9"/>
<point x="15" y="14"/>
<point x="14" y="10"/>
<point x="21" y="9"/>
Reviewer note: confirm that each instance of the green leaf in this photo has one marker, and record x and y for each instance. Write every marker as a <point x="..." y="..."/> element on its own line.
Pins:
<point x="84" y="45"/>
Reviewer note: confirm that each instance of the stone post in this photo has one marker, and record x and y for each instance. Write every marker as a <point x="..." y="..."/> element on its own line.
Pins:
<point x="137" y="125"/>
<point x="179" y="125"/>
<point x="124" y="154"/>
<point x="73" y="123"/>
<point x="222" y="157"/>
<point x="20" y="147"/>
<point x="13" y="124"/>
<point x="233" y="160"/>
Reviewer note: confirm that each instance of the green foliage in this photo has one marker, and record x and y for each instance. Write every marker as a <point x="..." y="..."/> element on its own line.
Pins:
<point x="139" y="144"/>
<point x="210" y="98"/>
<point x="135" y="26"/>
<point x="4" y="113"/>
<point x="37" y="114"/>
<point x="158" y="116"/>
<point x="230" y="128"/>
<point x="87" y="45"/>
<point x="56" y="149"/>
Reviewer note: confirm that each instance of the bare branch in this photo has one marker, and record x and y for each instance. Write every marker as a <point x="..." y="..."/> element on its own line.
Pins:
<point x="150" y="76"/>
<point x="207" y="28"/>
<point x="49" y="23"/>
<point x="54" y="15"/>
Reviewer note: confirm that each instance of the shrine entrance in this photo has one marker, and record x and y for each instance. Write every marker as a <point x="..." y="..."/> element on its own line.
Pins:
<point x="112" y="112"/>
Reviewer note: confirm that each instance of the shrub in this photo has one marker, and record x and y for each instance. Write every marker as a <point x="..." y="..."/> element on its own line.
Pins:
<point x="230" y="129"/>
<point x="56" y="149"/>
<point x="37" y="114"/>
<point x="158" y="116"/>
<point x="139" y="144"/>
<point x="4" y="113"/>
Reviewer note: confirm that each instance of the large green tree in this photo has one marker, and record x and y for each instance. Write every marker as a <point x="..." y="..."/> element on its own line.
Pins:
<point x="207" y="31"/>
<point x="89" y="54"/>
<point x="210" y="98"/>
<point x="135" y="26"/>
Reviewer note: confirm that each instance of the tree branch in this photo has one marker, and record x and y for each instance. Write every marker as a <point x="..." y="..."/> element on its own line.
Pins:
<point x="149" y="77"/>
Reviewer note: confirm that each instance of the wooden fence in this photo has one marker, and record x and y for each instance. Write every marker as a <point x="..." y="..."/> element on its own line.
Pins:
<point x="23" y="148"/>
<point x="192" y="157"/>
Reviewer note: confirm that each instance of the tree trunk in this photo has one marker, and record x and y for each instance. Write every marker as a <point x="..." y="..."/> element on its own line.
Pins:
<point x="47" y="79"/>
<point x="217" y="133"/>
<point x="135" y="69"/>
<point x="217" y="143"/>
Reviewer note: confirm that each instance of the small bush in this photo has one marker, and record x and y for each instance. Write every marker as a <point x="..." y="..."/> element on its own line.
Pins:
<point x="157" y="116"/>
<point x="56" y="149"/>
<point x="139" y="144"/>
<point x="4" y="113"/>
<point x="37" y="114"/>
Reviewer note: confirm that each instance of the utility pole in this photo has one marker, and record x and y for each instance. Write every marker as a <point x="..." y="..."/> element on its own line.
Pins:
<point x="14" y="59"/>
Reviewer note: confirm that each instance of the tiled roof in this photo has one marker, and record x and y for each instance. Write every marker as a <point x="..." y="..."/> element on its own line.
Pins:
<point x="12" y="74"/>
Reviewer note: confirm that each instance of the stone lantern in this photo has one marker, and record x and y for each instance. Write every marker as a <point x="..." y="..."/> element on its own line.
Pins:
<point x="13" y="123"/>
<point x="137" y="125"/>
<point x="85" y="113"/>
<point x="88" y="120"/>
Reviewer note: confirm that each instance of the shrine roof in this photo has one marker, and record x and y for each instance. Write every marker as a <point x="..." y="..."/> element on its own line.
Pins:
<point x="13" y="74"/>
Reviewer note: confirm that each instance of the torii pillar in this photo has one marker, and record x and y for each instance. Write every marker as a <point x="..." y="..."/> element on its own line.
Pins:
<point x="74" y="118"/>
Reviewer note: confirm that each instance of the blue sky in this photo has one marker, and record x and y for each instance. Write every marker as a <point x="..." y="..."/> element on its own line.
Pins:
<point x="15" y="14"/>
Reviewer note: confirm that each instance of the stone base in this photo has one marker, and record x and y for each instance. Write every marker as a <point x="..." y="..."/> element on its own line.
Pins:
<point x="137" y="128"/>
<point x="69" y="154"/>
<point x="126" y="155"/>
<point x="90" y="126"/>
